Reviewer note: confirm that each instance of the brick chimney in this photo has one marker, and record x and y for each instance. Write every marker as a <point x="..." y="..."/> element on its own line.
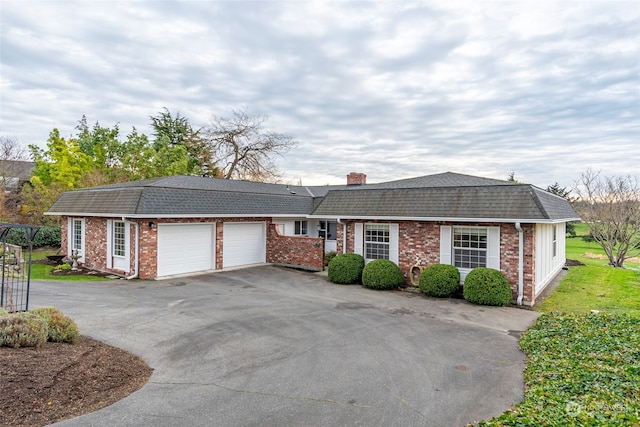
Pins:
<point x="356" y="178"/>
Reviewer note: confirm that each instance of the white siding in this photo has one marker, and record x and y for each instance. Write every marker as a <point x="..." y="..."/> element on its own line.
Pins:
<point x="547" y="265"/>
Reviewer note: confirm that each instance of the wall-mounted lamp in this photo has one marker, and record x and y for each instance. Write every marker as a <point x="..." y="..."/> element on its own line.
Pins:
<point x="152" y="225"/>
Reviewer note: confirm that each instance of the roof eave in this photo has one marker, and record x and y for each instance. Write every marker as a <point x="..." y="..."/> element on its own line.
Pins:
<point x="448" y="219"/>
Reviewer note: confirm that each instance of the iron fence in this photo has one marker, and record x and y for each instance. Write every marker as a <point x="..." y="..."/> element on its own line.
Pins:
<point x="16" y="267"/>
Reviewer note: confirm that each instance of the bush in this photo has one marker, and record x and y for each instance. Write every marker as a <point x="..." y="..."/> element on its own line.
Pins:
<point x="382" y="274"/>
<point x="328" y="257"/>
<point x="2" y="311"/>
<point x="22" y="330"/>
<point x="61" y="328"/>
<point x="46" y="236"/>
<point x="439" y="280"/>
<point x="486" y="286"/>
<point x="345" y="269"/>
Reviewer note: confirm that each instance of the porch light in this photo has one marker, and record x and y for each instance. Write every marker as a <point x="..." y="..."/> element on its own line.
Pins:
<point x="152" y="225"/>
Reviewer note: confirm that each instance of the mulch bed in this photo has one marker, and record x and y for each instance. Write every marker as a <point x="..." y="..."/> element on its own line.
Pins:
<point x="80" y="271"/>
<point x="59" y="381"/>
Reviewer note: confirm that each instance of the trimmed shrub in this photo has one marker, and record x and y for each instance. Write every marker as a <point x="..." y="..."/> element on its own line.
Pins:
<point x="61" y="328"/>
<point x="382" y="274"/>
<point x="22" y="330"/>
<point x="328" y="257"/>
<point x="439" y="280"/>
<point x="486" y="286"/>
<point x="345" y="269"/>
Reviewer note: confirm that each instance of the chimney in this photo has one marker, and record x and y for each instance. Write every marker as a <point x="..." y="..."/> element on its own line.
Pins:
<point x="356" y="178"/>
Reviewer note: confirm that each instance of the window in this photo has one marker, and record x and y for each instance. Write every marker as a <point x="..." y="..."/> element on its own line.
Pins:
<point x="327" y="230"/>
<point x="76" y="243"/>
<point x="555" y="241"/>
<point x="469" y="247"/>
<point x="300" y="228"/>
<point x="376" y="241"/>
<point x="118" y="238"/>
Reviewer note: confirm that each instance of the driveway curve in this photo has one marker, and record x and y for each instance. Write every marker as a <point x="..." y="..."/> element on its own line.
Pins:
<point x="269" y="346"/>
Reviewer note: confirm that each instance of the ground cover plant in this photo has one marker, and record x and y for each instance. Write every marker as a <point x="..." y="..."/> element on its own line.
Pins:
<point x="582" y="370"/>
<point x="43" y="270"/>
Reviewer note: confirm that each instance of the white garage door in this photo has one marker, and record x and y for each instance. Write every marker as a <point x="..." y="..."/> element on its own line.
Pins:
<point x="185" y="248"/>
<point x="243" y="243"/>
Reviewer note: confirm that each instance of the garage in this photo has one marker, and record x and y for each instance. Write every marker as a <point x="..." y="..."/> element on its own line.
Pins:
<point x="243" y="243"/>
<point x="185" y="248"/>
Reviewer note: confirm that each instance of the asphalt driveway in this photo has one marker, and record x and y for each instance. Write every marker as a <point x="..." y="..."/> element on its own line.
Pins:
<point x="269" y="346"/>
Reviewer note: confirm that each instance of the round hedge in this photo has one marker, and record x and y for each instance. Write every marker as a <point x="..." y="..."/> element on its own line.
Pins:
<point x="382" y="274"/>
<point x="345" y="269"/>
<point x="439" y="280"/>
<point x="486" y="286"/>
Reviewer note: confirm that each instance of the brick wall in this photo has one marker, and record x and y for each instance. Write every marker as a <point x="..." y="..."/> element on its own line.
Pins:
<point x="419" y="243"/>
<point x="297" y="251"/>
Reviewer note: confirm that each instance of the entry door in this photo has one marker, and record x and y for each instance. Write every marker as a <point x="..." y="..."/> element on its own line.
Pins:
<point x="328" y="230"/>
<point x="120" y="245"/>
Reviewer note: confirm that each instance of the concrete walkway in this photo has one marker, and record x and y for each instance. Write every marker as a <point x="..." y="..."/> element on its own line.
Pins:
<point x="271" y="346"/>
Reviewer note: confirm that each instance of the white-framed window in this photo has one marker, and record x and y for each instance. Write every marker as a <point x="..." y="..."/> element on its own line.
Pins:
<point x="554" y="243"/>
<point x="328" y="230"/>
<point x="469" y="247"/>
<point x="376" y="241"/>
<point x="300" y="228"/>
<point x="119" y="242"/>
<point x="77" y="235"/>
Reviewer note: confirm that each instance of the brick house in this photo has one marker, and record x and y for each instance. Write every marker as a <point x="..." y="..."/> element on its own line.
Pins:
<point x="180" y="225"/>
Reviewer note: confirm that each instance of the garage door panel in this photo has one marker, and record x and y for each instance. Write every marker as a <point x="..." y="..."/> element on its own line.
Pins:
<point x="185" y="248"/>
<point x="243" y="244"/>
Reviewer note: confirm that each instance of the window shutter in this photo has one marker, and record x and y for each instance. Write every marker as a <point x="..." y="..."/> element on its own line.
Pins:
<point x="358" y="237"/>
<point x="69" y="236"/>
<point x="493" y="247"/>
<point x="445" y="245"/>
<point x="109" y="243"/>
<point x="393" y="242"/>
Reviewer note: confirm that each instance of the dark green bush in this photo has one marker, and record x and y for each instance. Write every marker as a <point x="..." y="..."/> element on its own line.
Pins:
<point x="486" y="286"/>
<point x="61" y="328"/>
<point x="439" y="280"/>
<point x="328" y="257"/>
<point x="345" y="269"/>
<point x="22" y="330"/>
<point x="382" y="274"/>
<point x="46" y="236"/>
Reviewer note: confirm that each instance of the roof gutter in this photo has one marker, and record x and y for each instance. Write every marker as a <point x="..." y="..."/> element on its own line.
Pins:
<point x="520" y="263"/>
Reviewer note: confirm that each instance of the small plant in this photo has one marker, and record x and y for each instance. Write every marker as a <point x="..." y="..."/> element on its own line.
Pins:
<point x="22" y="330"/>
<point x="61" y="328"/>
<point x="345" y="269"/>
<point x="439" y="280"/>
<point x="328" y="257"/>
<point x="2" y="311"/>
<point x="382" y="274"/>
<point x="62" y="267"/>
<point x="486" y="286"/>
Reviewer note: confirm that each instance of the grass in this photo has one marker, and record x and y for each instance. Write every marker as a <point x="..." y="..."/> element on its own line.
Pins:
<point x="583" y="369"/>
<point x="42" y="272"/>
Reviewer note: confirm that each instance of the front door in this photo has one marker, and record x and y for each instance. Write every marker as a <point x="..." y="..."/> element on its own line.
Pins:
<point x="328" y="230"/>
<point x="119" y="246"/>
<point x="76" y="241"/>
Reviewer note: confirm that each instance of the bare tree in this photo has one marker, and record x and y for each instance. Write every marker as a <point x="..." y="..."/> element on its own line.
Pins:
<point x="610" y="206"/>
<point x="13" y="157"/>
<point x="243" y="149"/>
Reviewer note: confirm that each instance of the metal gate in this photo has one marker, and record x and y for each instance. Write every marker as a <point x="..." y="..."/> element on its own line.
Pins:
<point x="16" y="267"/>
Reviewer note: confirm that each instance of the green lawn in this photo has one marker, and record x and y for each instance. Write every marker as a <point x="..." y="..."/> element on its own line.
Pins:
<point x="583" y="369"/>
<point x="42" y="271"/>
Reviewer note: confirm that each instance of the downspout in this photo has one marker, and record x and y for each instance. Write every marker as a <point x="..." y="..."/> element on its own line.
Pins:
<point x="344" y="235"/>
<point x="520" y="263"/>
<point x="137" y="248"/>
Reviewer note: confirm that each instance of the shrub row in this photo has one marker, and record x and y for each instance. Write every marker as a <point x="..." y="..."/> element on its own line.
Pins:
<point x="484" y="286"/>
<point x="46" y="236"/>
<point x="35" y="327"/>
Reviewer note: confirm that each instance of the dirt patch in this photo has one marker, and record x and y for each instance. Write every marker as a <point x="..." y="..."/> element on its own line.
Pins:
<point x="59" y="381"/>
<point x="573" y="263"/>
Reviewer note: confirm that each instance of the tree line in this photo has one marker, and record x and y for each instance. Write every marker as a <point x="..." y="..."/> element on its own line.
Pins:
<point x="236" y="147"/>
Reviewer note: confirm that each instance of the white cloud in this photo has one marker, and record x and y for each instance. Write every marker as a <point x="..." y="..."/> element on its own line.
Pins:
<point x="392" y="89"/>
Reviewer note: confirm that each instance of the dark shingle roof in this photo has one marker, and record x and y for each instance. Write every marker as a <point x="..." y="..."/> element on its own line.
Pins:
<point x="446" y="195"/>
<point x="488" y="202"/>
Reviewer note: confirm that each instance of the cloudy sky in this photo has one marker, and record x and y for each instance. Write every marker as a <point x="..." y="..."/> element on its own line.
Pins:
<point x="392" y="89"/>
